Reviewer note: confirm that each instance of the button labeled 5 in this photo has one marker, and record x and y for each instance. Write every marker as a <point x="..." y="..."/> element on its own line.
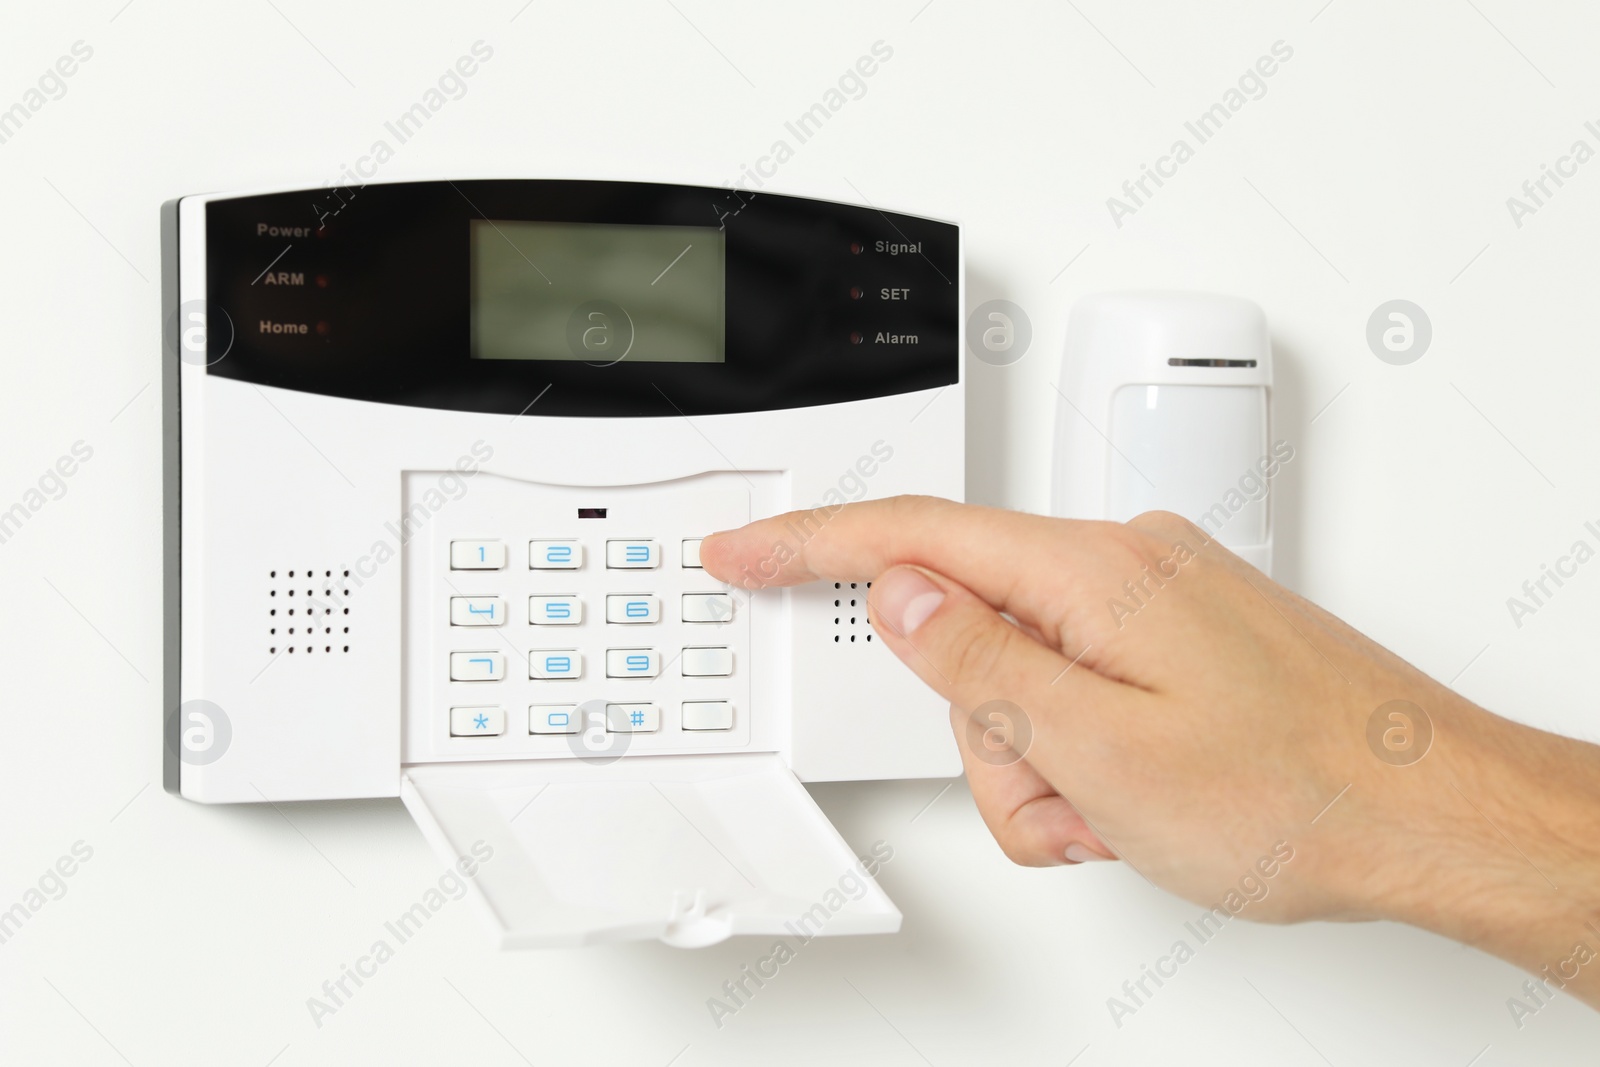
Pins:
<point x="555" y="610"/>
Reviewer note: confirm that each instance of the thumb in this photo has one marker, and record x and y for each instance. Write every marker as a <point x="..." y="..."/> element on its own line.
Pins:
<point x="967" y="652"/>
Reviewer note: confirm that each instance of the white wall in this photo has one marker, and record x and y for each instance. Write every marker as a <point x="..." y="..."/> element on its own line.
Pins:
<point x="1377" y="166"/>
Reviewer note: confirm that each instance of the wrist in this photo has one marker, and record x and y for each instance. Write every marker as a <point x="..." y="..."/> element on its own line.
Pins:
<point x="1503" y="851"/>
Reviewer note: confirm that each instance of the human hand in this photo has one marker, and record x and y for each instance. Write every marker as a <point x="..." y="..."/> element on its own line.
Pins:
<point x="1197" y="720"/>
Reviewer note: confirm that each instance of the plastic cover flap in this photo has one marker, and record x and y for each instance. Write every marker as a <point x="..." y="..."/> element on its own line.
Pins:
<point x="687" y="849"/>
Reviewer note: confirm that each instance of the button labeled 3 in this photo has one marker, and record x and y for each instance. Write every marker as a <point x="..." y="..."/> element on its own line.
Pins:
<point x="632" y="554"/>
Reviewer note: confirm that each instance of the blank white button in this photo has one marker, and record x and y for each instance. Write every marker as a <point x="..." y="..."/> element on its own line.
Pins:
<point x="477" y="555"/>
<point x="477" y="611"/>
<point x="632" y="554"/>
<point x="630" y="608"/>
<point x="632" y="663"/>
<point x="555" y="663"/>
<point x="707" y="607"/>
<point x="477" y="666"/>
<point x="553" y="718"/>
<point x="707" y="662"/>
<point x="632" y="718"/>
<point x="707" y="715"/>
<point x="555" y="555"/>
<point x="691" y="552"/>
<point x="555" y="610"/>
<point x="477" y="722"/>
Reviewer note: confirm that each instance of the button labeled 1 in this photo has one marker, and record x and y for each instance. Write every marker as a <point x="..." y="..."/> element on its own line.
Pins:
<point x="477" y="555"/>
<point x="632" y="554"/>
<point x="477" y="722"/>
<point x="476" y="611"/>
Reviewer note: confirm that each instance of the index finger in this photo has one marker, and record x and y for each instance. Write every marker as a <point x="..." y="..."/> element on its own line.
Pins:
<point x="1011" y="559"/>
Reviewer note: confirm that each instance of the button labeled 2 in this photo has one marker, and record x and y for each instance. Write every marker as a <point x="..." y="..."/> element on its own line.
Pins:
<point x="555" y="555"/>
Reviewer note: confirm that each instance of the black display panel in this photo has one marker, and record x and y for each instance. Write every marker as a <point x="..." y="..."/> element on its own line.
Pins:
<point x="368" y="293"/>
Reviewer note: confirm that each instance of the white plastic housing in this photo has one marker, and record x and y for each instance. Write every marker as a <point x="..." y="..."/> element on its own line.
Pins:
<point x="1166" y="405"/>
<point x="688" y="843"/>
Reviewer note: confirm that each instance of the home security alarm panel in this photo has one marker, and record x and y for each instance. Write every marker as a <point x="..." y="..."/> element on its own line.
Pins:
<point x="1166" y="404"/>
<point x="439" y="459"/>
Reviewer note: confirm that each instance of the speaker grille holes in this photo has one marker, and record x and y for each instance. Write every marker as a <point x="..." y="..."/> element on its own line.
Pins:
<point x="335" y="593"/>
<point x="854" y="624"/>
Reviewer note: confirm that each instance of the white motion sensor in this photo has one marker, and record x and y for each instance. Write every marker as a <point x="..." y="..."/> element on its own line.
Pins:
<point x="1166" y="406"/>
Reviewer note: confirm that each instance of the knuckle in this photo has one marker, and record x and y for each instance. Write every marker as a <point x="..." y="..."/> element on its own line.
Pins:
<point x="976" y="647"/>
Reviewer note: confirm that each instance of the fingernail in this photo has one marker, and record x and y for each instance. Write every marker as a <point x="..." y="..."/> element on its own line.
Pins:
<point x="1077" y="853"/>
<point x="906" y="599"/>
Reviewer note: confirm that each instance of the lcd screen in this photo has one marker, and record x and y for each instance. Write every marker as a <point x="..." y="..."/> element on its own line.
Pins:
<point x="598" y="293"/>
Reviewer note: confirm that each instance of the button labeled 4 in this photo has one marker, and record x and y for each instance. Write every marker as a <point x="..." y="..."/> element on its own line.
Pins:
<point x="476" y="611"/>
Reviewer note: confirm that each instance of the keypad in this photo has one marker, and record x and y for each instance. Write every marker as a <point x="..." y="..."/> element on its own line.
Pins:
<point x="629" y="624"/>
